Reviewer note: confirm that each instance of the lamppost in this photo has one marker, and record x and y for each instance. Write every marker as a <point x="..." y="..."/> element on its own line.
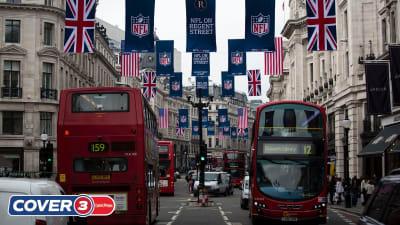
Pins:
<point x="346" y="125"/>
<point x="203" y="148"/>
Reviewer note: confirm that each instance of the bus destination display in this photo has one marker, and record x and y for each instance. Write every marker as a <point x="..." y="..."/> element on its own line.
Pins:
<point x="98" y="147"/>
<point x="288" y="148"/>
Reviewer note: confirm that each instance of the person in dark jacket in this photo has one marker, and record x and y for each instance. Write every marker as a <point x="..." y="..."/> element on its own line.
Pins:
<point x="331" y="189"/>
<point x="354" y="188"/>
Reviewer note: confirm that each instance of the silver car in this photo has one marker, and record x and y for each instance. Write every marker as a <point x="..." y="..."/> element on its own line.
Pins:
<point x="244" y="196"/>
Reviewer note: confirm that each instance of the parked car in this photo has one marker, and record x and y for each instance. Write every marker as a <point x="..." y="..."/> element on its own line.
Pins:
<point x="244" y="196"/>
<point x="24" y="186"/>
<point x="214" y="182"/>
<point x="395" y="171"/>
<point x="383" y="207"/>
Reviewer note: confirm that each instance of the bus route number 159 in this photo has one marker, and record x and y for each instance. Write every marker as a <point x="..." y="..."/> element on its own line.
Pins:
<point x="98" y="147"/>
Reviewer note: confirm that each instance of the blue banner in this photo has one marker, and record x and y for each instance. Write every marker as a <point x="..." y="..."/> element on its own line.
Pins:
<point x="122" y="46"/>
<point x="201" y="64"/>
<point x="211" y="128"/>
<point x="195" y="128"/>
<point x="245" y="134"/>
<point x="226" y="129"/>
<point x="165" y="58"/>
<point x="139" y="26"/>
<point x="200" y="26"/>
<point x="183" y="118"/>
<point x="228" y="84"/>
<point x="222" y="117"/>
<point x="260" y="26"/>
<point x="202" y="82"/>
<point x="233" y="133"/>
<point x="175" y="85"/>
<point x="204" y="115"/>
<point x="236" y="57"/>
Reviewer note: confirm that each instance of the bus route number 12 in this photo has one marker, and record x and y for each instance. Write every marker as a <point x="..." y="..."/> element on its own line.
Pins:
<point x="307" y="149"/>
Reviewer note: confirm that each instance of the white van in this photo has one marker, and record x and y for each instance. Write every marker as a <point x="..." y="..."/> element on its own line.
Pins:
<point x="25" y="186"/>
<point x="214" y="182"/>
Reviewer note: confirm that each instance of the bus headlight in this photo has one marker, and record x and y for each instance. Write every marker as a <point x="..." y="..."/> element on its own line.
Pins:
<point x="319" y="206"/>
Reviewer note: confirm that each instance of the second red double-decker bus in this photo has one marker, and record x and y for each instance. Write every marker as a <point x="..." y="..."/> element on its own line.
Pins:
<point x="289" y="163"/>
<point x="234" y="164"/>
<point x="166" y="167"/>
<point x="107" y="144"/>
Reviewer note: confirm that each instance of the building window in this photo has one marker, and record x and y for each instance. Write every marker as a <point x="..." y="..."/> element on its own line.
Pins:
<point x="311" y="72"/>
<point x="48" y="34"/>
<point x="345" y="24"/>
<point x="393" y="27"/>
<point x="12" y="31"/>
<point x="216" y="142"/>
<point x="346" y="64"/>
<point x="11" y="79"/>
<point x="14" y="1"/>
<point x="47" y="75"/>
<point x="384" y="37"/>
<point x="46" y="123"/>
<point x="209" y="142"/>
<point x="12" y="123"/>
<point x="48" y="2"/>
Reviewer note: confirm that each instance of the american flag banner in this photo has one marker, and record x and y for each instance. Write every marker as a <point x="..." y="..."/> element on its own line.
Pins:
<point x="130" y="65"/>
<point x="274" y="60"/>
<point x="79" y="26"/>
<point x="163" y="117"/>
<point x="179" y="131"/>
<point x="321" y="25"/>
<point x="242" y="120"/>
<point x="254" y="81"/>
<point x="149" y="84"/>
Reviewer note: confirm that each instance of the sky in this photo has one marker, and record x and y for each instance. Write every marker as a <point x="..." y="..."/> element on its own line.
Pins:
<point x="170" y="24"/>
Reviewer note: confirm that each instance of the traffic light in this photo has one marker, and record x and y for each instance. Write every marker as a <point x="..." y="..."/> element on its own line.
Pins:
<point x="46" y="160"/>
<point x="197" y="160"/>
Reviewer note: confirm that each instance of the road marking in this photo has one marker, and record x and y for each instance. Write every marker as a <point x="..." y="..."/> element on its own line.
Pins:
<point x="225" y="218"/>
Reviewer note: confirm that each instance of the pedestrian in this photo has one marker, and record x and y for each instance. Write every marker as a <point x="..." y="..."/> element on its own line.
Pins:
<point x="339" y="190"/>
<point x="354" y="190"/>
<point x="332" y="188"/>
<point x="363" y="188"/>
<point x="190" y="181"/>
<point x="370" y="189"/>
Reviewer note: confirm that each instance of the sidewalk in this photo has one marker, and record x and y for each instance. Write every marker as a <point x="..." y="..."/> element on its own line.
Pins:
<point x="354" y="209"/>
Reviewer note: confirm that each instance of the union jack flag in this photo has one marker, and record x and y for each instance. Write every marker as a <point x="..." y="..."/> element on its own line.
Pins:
<point x="254" y="80"/>
<point x="321" y="25"/>
<point x="179" y="131"/>
<point x="163" y="117"/>
<point x="79" y="25"/>
<point x="242" y="120"/>
<point x="149" y="84"/>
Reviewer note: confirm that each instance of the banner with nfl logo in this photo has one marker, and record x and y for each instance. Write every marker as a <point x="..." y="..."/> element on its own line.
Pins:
<point x="201" y="64"/>
<point x="245" y="134"/>
<point x="233" y="133"/>
<point x="202" y="82"/>
<point x="175" y="85"/>
<point x="228" y="84"/>
<point x="222" y="117"/>
<point x="204" y="115"/>
<point x="183" y="118"/>
<point x="165" y="58"/>
<point x="226" y="129"/>
<point x="139" y="26"/>
<point x="260" y="26"/>
<point x="211" y="128"/>
<point x="236" y="57"/>
<point x="195" y="128"/>
<point x="200" y="26"/>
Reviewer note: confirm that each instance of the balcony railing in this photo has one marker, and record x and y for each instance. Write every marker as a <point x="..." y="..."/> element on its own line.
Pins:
<point x="48" y="93"/>
<point x="9" y="92"/>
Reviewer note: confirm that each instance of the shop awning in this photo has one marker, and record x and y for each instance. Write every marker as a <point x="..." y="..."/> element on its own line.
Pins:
<point x="382" y="141"/>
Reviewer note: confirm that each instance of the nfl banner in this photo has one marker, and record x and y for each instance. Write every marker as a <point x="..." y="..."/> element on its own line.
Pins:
<point x="236" y="57"/>
<point x="226" y="129"/>
<point x="233" y="133"/>
<point x="195" y="128"/>
<point x="200" y="26"/>
<point x="204" y="115"/>
<point x="260" y="26"/>
<point x="222" y="117"/>
<point x="378" y="91"/>
<point x="201" y="64"/>
<point x="165" y="58"/>
<point x="245" y="134"/>
<point x="202" y="82"/>
<point x="395" y="72"/>
<point x="228" y="84"/>
<point x="139" y="26"/>
<point x="211" y="128"/>
<point x="175" y="85"/>
<point x="183" y="118"/>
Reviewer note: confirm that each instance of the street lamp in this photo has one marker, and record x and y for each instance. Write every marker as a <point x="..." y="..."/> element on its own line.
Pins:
<point x="346" y="125"/>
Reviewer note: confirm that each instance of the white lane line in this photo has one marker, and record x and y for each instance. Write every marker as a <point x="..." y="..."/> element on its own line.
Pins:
<point x="174" y="218"/>
<point x="173" y="212"/>
<point x="225" y="218"/>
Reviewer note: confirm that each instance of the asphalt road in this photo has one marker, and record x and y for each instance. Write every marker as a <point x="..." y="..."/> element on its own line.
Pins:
<point x="182" y="209"/>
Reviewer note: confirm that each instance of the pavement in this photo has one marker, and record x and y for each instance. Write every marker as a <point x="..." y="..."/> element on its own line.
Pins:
<point x="357" y="210"/>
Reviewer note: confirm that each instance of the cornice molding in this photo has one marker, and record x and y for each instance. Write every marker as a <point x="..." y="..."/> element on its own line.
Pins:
<point x="292" y="25"/>
<point x="13" y="50"/>
<point x="30" y="7"/>
<point x="49" y="51"/>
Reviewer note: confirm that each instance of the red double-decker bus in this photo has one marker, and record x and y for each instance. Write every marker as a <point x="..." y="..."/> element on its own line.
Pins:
<point x="107" y="144"/>
<point x="234" y="164"/>
<point x="166" y="167"/>
<point x="288" y="166"/>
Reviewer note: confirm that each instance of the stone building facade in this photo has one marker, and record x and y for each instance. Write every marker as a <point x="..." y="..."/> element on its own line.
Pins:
<point x="34" y="70"/>
<point x="336" y="79"/>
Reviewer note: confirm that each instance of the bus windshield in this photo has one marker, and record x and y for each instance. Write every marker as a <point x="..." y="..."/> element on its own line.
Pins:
<point x="100" y="102"/>
<point x="164" y="167"/>
<point x="290" y="180"/>
<point x="291" y="120"/>
<point x="234" y="156"/>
